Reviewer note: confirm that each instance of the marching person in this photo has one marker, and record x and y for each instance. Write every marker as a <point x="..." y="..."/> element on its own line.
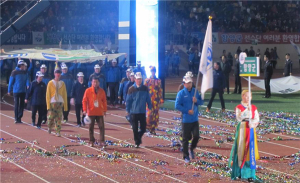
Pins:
<point x="94" y="105"/>
<point x="268" y="72"/>
<point x="288" y="67"/>
<point x="124" y="81"/>
<point x="46" y="79"/>
<point x="77" y="93"/>
<point x="101" y="77"/>
<point x="18" y="84"/>
<point x="56" y="99"/>
<point x="156" y="92"/>
<point x="113" y="80"/>
<point x="238" y="83"/>
<point x="218" y="87"/>
<point x="67" y="78"/>
<point x="136" y="100"/>
<point x="190" y="125"/>
<point x="37" y="93"/>
<point x="240" y="153"/>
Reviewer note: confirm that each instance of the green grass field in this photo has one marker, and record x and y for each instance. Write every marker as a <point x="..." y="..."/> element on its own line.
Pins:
<point x="277" y="103"/>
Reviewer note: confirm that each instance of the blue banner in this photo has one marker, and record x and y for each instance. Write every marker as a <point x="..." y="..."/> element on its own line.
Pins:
<point x="252" y="149"/>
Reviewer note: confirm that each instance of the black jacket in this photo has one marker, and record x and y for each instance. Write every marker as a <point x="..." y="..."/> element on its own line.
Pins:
<point x="268" y="70"/>
<point x="219" y="79"/>
<point x="226" y="68"/>
<point x="237" y="68"/>
<point x="288" y="67"/>
<point x="78" y="91"/>
<point x="37" y="93"/>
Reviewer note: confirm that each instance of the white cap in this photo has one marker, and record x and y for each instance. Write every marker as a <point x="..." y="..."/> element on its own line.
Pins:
<point x="43" y="66"/>
<point x="39" y="74"/>
<point x="114" y="60"/>
<point x="189" y="73"/>
<point x="80" y="74"/>
<point x="37" y="63"/>
<point x="138" y="75"/>
<point x="128" y="70"/>
<point x="139" y="62"/>
<point x="132" y="74"/>
<point x="187" y="79"/>
<point x="21" y="62"/>
<point x="97" y="66"/>
<point x="87" y="120"/>
<point x="64" y="66"/>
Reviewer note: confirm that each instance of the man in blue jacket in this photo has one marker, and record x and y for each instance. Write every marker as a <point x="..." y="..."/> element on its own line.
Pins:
<point x="137" y="98"/>
<point x="37" y="93"/>
<point x="67" y="78"/>
<point x="218" y="86"/>
<point x="18" y="84"/>
<point x="113" y="80"/>
<point x="100" y="76"/>
<point x="190" y="125"/>
<point x="175" y="63"/>
<point x="78" y="90"/>
<point x="124" y="81"/>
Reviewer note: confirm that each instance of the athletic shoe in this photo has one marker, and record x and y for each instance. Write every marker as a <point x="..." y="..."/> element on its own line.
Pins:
<point x="187" y="160"/>
<point x="78" y="126"/>
<point x="38" y="127"/>
<point x="207" y="110"/>
<point x="33" y="123"/>
<point x="83" y="124"/>
<point x="44" y="122"/>
<point x="65" y="121"/>
<point x="137" y="146"/>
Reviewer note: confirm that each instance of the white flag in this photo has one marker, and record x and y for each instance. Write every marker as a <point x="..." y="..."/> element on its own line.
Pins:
<point x="296" y="47"/>
<point x="206" y="66"/>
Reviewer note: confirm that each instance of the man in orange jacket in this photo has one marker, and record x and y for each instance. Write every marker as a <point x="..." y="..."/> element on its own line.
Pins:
<point x="95" y="106"/>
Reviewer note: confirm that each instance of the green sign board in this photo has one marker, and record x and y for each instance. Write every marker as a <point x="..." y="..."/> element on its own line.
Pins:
<point x="249" y="66"/>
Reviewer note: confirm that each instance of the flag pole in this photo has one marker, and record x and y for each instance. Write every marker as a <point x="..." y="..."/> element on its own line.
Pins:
<point x="196" y="88"/>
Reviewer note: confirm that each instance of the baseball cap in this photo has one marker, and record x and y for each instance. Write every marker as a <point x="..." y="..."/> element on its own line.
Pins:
<point x="138" y="75"/>
<point x="128" y="70"/>
<point x="189" y="73"/>
<point x="97" y="66"/>
<point x="187" y="79"/>
<point x="114" y="60"/>
<point x="43" y="66"/>
<point x="80" y="74"/>
<point x="64" y="66"/>
<point x="37" y="63"/>
<point x="21" y="62"/>
<point x="39" y="74"/>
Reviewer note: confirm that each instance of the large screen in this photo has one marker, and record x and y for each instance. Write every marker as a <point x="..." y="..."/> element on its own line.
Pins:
<point x="147" y="34"/>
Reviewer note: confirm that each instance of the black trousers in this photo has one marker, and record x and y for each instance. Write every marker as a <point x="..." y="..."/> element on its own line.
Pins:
<point x="78" y="109"/>
<point x="113" y="90"/>
<point x="66" y="113"/>
<point x="213" y="94"/>
<point x="189" y="130"/>
<point x="135" y="119"/>
<point x="267" y="86"/>
<point x="19" y="102"/>
<point x="41" y="110"/>
<point x="227" y="82"/>
<point x="238" y="85"/>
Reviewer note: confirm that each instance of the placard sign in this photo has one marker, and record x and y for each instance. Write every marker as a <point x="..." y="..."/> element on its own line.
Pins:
<point x="249" y="66"/>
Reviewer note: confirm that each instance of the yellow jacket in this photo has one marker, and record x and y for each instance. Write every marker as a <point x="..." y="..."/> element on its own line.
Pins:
<point x="51" y="93"/>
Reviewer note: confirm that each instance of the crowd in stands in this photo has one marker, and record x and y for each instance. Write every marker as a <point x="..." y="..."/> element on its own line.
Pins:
<point x="68" y="16"/>
<point x="184" y="17"/>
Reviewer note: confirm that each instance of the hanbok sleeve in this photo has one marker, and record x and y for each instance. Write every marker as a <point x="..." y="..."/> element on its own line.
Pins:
<point x="255" y="121"/>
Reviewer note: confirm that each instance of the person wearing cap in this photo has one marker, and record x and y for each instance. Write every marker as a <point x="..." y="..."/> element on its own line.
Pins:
<point x="175" y="63"/>
<point x="123" y="83"/>
<point x="156" y="96"/>
<point x="37" y="93"/>
<point x="113" y="76"/>
<point x="101" y="77"/>
<point x="77" y="93"/>
<point x="18" y="84"/>
<point x="137" y="99"/>
<point x="33" y="69"/>
<point x="218" y="86"/>
<point x="56" y="99"/>
<point x="288" y="66"/>
<point x="128" y="85"/>
<point x="140" y="69"/>
<point x="181" y="86"/>
<point x="185" y="100"/>
<point x="67" y="78"/>
<point x="94" y="105"/>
